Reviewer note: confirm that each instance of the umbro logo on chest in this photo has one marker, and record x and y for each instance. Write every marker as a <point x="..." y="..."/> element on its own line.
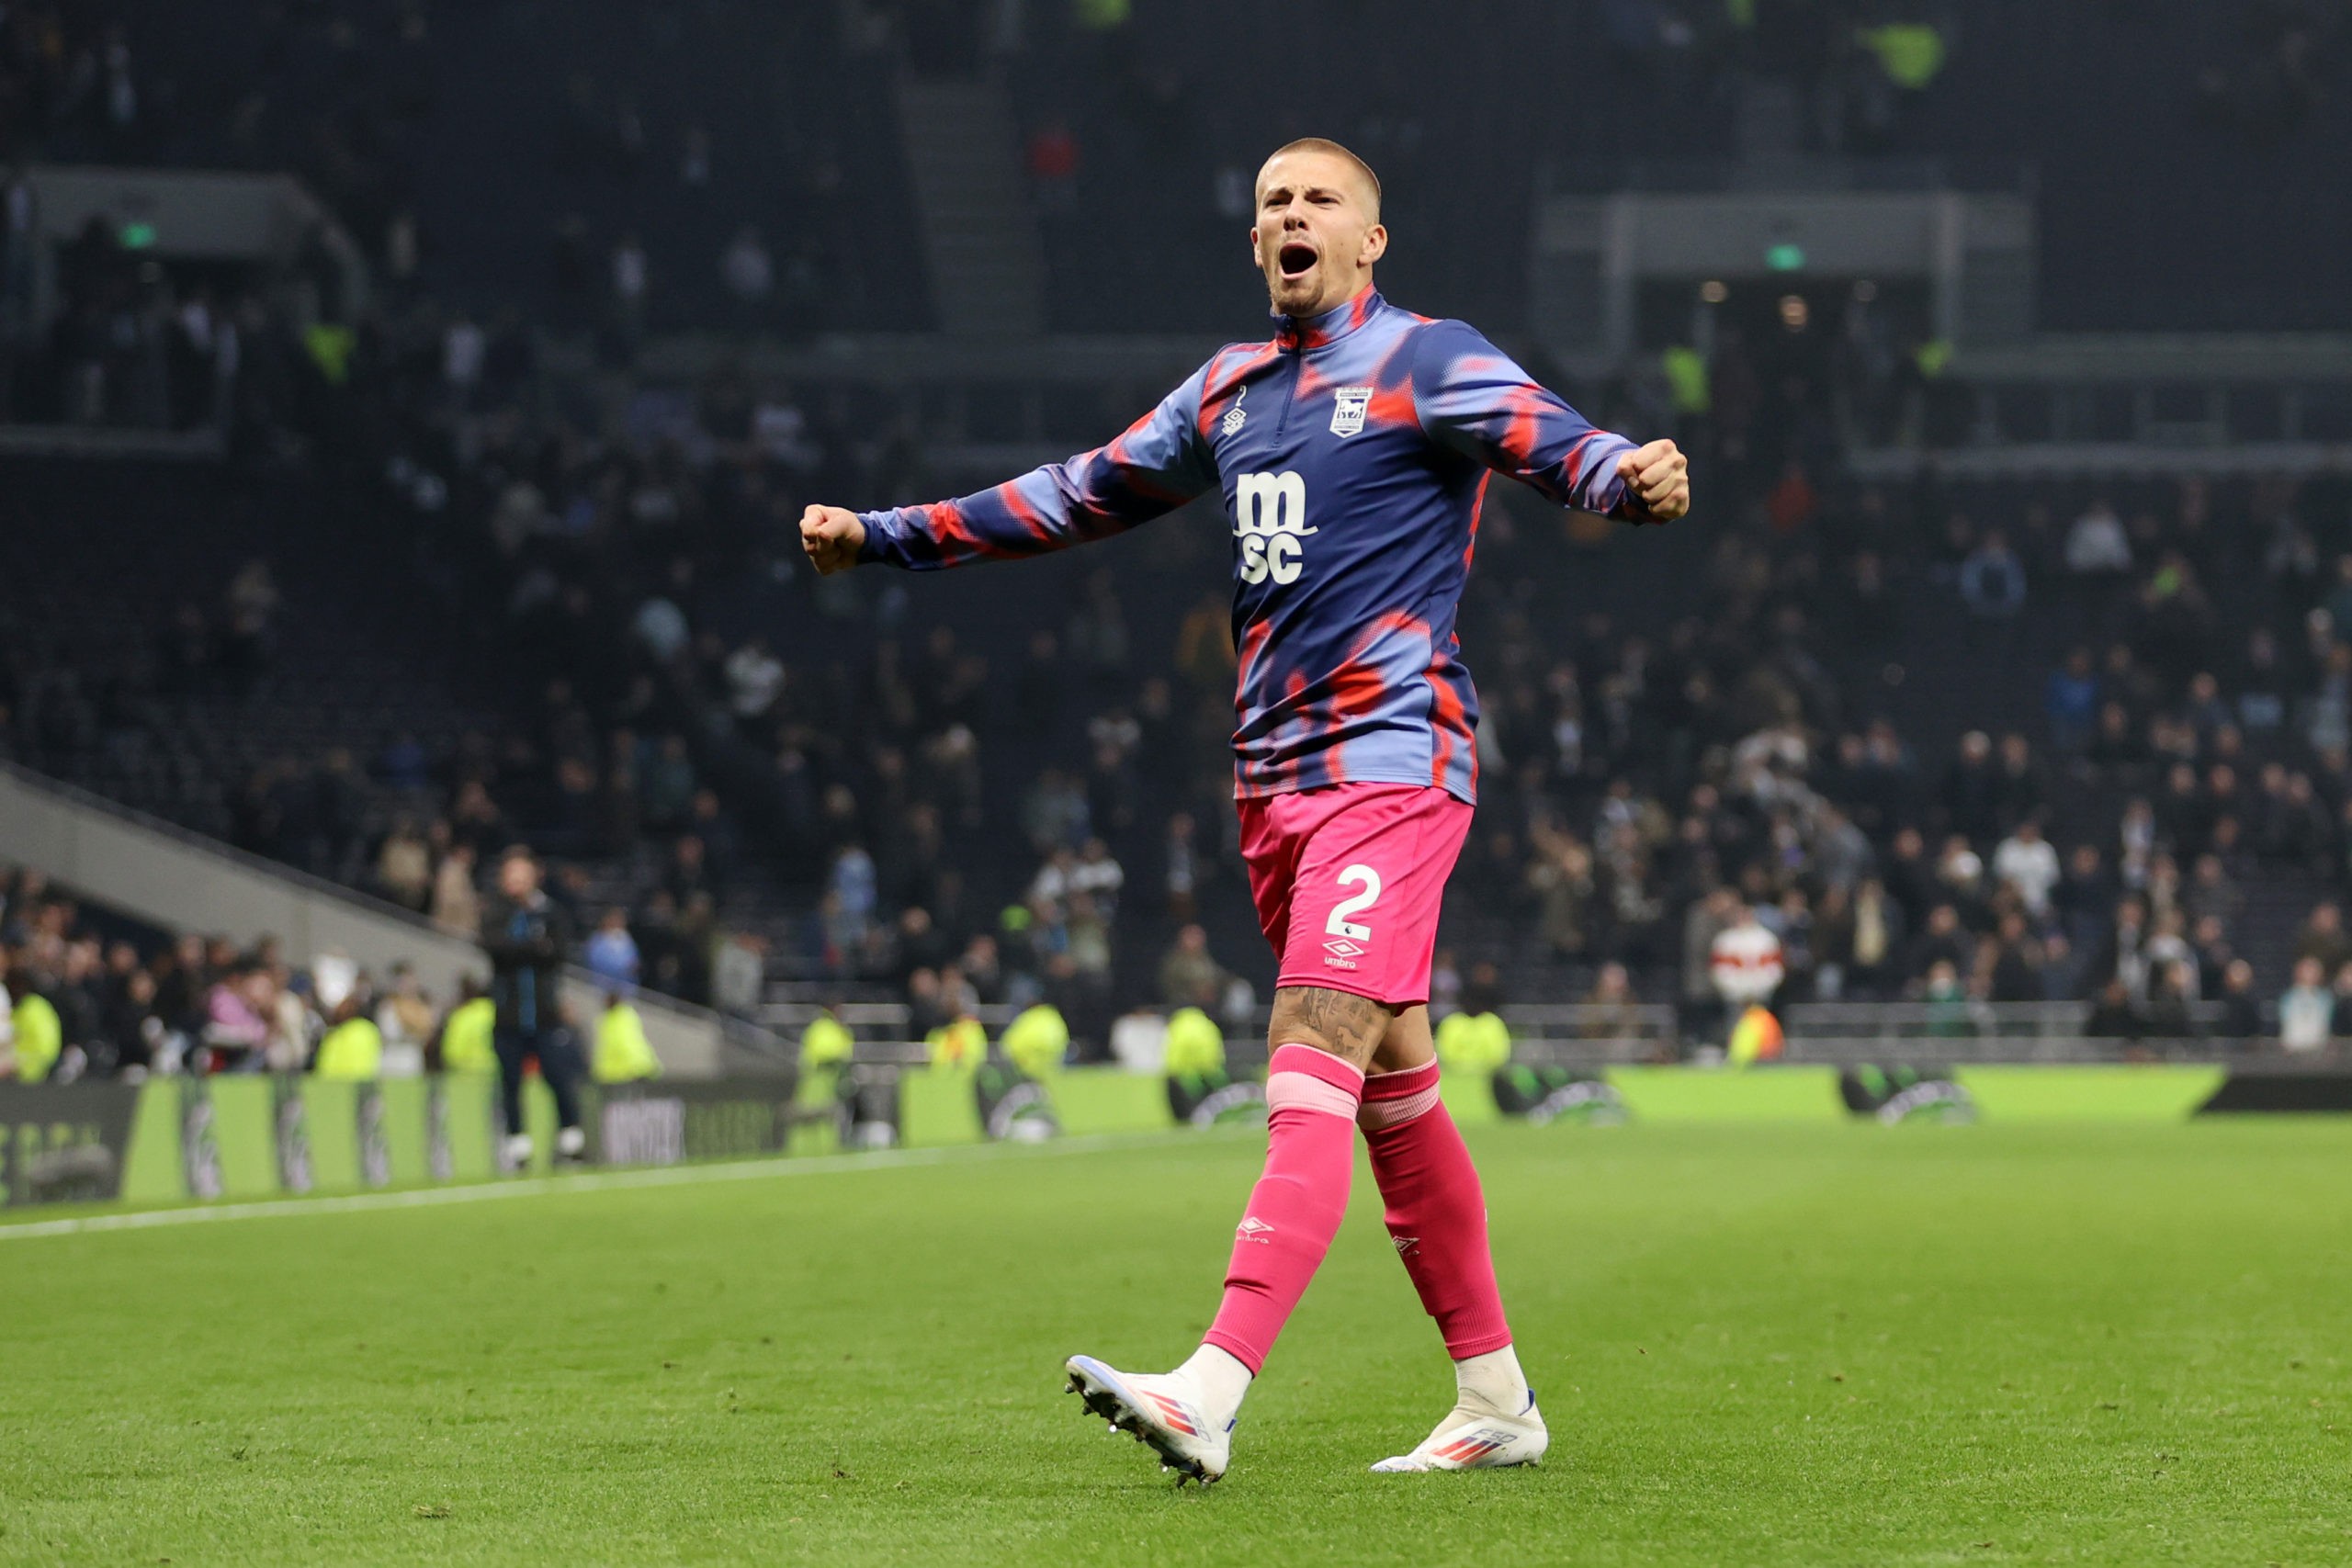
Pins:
<point x="1235" y="416"/>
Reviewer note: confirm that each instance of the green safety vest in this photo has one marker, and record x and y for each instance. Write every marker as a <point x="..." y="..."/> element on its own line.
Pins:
<point x="1686" y="377"/>
<point x="1911" y="54"/>
<point x="1036" y="1039"/>
<point x="352" y="1052"/>
<point x="466" y="1045"/>
<point x="1195" y="1045"/>
<point x="40" y="1036"/>
<point x="826" y="1042"/>
<point x="623" y="1053"/>
<point x="958" y="1046"/>
<point x="1472" y="1044"/>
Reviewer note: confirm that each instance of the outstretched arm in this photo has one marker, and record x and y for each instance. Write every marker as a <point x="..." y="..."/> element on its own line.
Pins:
<point x="1471" y="397"/>
<point x="1156" y="464"/>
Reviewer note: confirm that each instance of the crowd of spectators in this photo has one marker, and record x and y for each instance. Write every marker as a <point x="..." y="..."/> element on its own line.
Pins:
<point x="743" y="772"/>
<point x="2190" y="748"/>
<point x="85" y="995"/>
<point x="999" y="814"/>
<point x="2193" y="740"/>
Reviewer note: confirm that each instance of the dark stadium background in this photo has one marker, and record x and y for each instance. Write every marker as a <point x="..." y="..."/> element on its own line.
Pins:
<point x="410" y="522"/>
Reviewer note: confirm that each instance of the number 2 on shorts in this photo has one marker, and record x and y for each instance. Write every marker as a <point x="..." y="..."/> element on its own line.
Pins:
<point x="1361" y="876"/>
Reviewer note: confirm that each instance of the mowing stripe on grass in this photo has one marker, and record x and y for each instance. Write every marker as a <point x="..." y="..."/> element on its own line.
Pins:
<point x="592" y="1181"/>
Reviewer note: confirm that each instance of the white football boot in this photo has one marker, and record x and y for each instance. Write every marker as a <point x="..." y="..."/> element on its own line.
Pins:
<point x="1476" y="1436"/>
<point x="1162" y="1412"/>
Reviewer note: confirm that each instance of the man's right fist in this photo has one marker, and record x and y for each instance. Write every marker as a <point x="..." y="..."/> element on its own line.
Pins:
<point x="831" y="536"/>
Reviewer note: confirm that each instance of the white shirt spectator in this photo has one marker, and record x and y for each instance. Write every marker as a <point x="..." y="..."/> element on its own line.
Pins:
<point x="1746" y="961"/>
<point x="1098" y="874"/>
<point x="754" y="677"/>
<point x="738" y="976"/>
<point x="746" y="268"/>
<point x="1052" y="881"/>
<point x="2029" y="865"/>
<point x="463" y="348"/>
<point x="2306" y="1017"/>
<point x="661" y="627"/>
<point x="630" y="273"/>
<point x="2097" y="543"/>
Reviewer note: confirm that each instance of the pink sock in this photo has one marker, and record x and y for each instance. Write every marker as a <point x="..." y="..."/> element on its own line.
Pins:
<point x="1296" y="1208"/>
<point x="1436" y="1214"/>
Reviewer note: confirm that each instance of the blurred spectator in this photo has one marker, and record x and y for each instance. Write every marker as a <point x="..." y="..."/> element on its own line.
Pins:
<point x="2097" y="544"/>
<point x="739" y="973"/>
<point x="1189" y="977"/>
<point x="2241" y="1009"/>
<point x="2307" y="1011"/>
<point x="2070" y="700"/>
<point x="2324" y="939"/>
<point x="748" y="270"/>
<point x="1613" y="1011"/>
<point x="406" y="1024"/>
<point x="2025" y="863"/>
<point x="631" y="278"/>
<point x="457" y="908"/>
<point x="1992" y="580"/>
<point x="2115" y="1017"/>
<point x="611" y="952"/>
<point x="404" y="866"/>
<point x="2167" y="1015"/>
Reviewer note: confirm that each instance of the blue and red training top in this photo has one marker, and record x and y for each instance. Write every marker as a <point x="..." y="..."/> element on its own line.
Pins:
<point x="1353" y="451"/>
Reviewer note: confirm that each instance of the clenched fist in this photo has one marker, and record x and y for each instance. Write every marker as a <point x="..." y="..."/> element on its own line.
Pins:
<point x="1657" y="476"/>
<point x="831" y="537"/>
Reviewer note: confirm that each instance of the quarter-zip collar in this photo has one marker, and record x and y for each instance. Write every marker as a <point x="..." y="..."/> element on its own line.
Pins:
<point x="1315" y="332"/>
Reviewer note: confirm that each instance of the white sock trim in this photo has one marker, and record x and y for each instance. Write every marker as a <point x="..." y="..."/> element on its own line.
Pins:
<point x="1493" y="1378"/>
<point x="1222" y="1378"/>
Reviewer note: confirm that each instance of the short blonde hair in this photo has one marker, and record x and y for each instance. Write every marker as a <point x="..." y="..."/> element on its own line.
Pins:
<point x="1325" y="144"/>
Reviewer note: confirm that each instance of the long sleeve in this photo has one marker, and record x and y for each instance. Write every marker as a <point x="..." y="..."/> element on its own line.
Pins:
<point x="1156" y="466"/>
<point x="1471" y="397"/>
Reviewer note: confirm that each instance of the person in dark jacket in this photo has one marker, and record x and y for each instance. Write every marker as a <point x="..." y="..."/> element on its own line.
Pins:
<point x="528" y="937"/>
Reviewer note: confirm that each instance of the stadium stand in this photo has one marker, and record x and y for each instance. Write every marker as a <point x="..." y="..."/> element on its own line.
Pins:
<point x="514" y="558"/>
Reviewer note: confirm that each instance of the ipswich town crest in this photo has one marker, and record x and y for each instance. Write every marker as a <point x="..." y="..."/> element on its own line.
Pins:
<point x="1348" y="410"/>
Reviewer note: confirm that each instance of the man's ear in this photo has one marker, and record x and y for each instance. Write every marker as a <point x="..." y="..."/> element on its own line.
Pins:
<point x="1253" y="242"/>
<point x="1376" y="243"/>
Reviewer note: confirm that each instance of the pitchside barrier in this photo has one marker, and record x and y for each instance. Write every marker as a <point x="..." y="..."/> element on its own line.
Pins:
<point x="172" y="1140"/>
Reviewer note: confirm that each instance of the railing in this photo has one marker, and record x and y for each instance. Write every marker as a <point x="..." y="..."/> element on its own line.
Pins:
<point x="1964" y="1019"/>
<point x="1247" y="1055"/>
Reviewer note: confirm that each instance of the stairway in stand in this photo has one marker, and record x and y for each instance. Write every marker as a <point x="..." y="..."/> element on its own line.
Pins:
<point x="972" y="201"/>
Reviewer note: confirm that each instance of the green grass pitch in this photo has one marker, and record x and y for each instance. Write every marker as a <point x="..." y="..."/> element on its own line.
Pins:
<point x="1754" y="1345"/>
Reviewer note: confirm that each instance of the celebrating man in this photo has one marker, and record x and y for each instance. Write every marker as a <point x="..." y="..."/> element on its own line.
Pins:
<point x="1352" y="451"/>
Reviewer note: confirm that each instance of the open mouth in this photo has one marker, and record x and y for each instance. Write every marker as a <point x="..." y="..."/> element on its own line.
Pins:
<point x="1297" y="259"/>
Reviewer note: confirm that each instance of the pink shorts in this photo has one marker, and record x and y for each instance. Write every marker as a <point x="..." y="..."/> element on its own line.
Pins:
<point x="1347" y="881"/>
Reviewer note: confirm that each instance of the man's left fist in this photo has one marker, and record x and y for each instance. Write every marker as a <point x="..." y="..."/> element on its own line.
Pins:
<point x="1658" y="478"/>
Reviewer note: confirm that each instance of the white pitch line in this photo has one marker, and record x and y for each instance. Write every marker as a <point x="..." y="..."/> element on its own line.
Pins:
<point x="588" y="1181"/>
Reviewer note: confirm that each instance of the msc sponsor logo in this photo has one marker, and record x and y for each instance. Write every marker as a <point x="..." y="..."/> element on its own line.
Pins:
<point x="1270" y="520"/>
